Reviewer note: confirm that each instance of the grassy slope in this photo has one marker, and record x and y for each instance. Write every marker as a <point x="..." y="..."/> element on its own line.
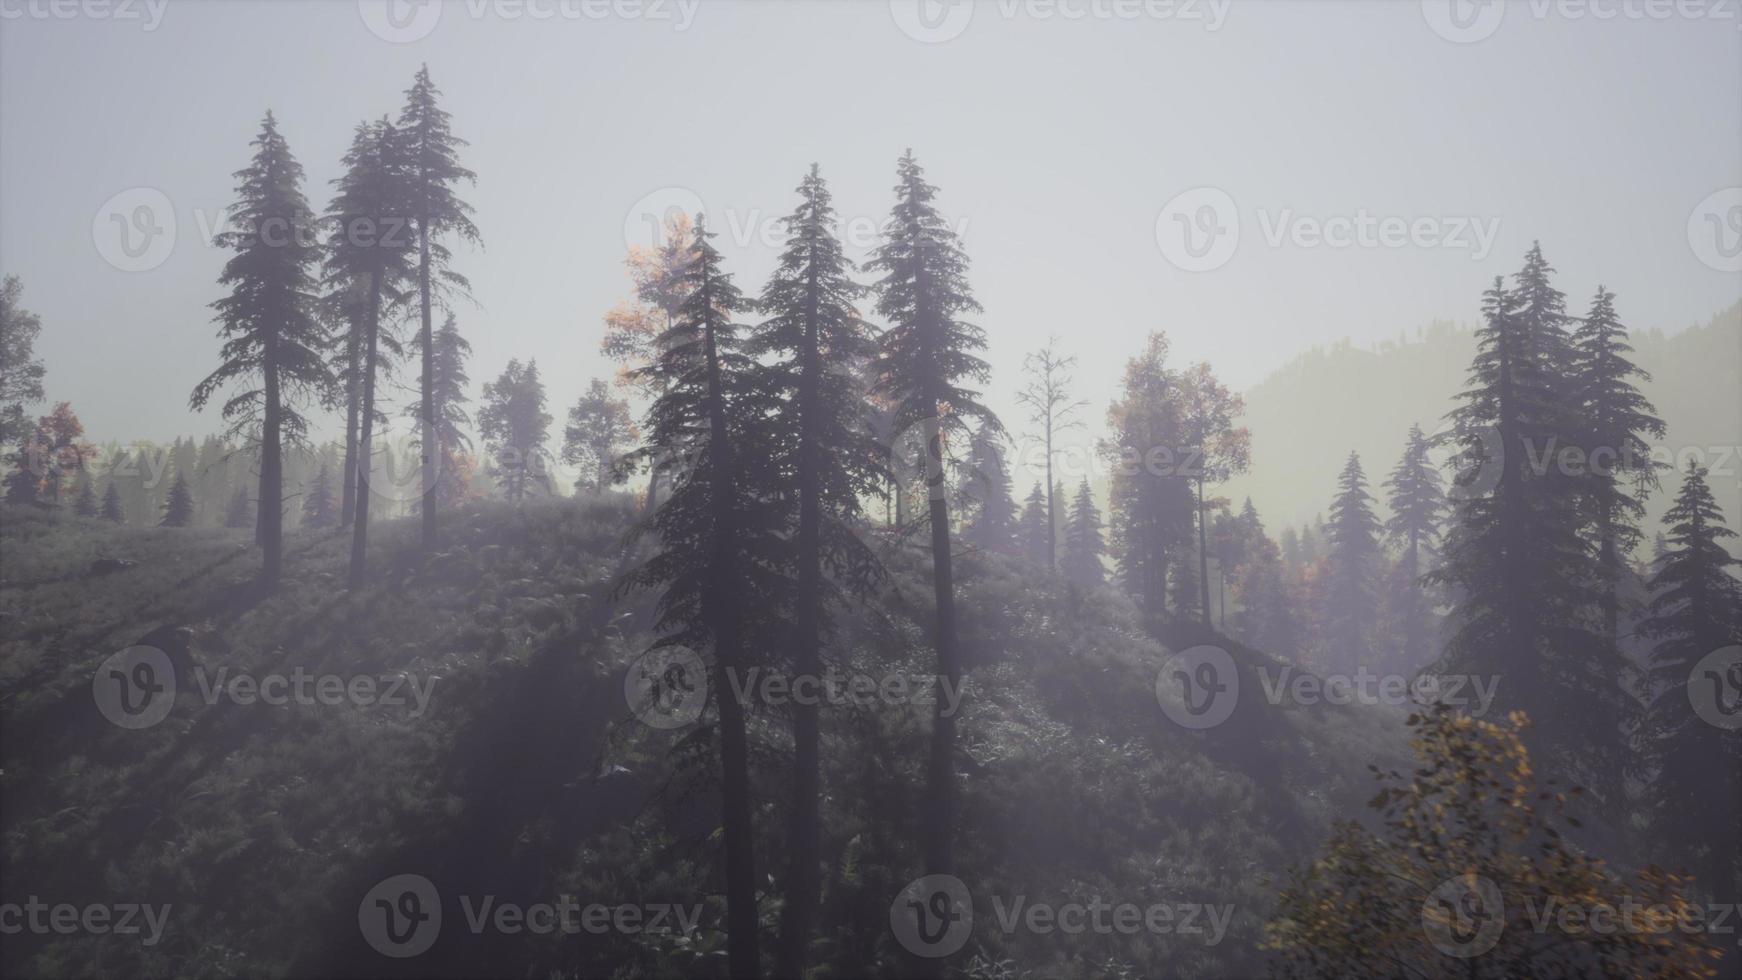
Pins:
<point x="526" y="778"/>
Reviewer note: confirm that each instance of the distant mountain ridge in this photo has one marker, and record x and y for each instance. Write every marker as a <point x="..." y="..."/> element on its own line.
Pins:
<point x="1307" y="416"/>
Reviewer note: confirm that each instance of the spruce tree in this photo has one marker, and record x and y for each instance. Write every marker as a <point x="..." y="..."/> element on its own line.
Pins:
<point x="112" y="511"/>
<point x="1047" y="396"/>
<point x="178" y="510"/>
<point x="448" y="382"/>
<point x="599" y="430"/>
<point x="21" y="371"/>
<point x="273" y="337"/>
<point x="1031" y="529"/>
<point x="85" y="504"/>
<point x="1150" y="498"/>
<point x="432" y="173"/>
<point x="633" y="328"/>
<point x="810" y="347"/>
<point x="1620" y="472"/>
<point x="1084" y="545"/>
<point x="1417" y="500"/>
<point x="723" y="568"/>
<point x="928" y="358"/>
<point x="317" y="507"/>
<point x="1352" y="568"/>
<point x="515" y="427"/>
<point x="991" y="524"/>
<point x="1696" y="610"/>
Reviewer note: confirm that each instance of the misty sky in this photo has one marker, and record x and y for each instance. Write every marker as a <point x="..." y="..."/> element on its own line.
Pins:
<point x="1056" y="142"/>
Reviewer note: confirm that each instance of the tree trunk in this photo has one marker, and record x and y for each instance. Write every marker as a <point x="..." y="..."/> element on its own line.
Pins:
<point x="426" y="416"/>
<point x="271" y="517"/>
<point x="803" y="885"/>
<point x="1052" y="561"/>
<point x="1203" y="553"/>
<point x="365" y="438"/>
<point x="348" y="493"/>
<point x="938" y="830"/>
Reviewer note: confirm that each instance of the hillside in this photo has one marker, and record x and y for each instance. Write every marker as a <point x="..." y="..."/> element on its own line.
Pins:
<point x="1307" y="416"/>
<point x="521" y="774"/>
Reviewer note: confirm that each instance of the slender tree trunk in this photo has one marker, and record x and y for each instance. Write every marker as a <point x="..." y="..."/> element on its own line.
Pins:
<point x="365" y="438"/>
<point x="271" y="517"/>
<point x="652" y="490"/>
<point x="940" y="776"/>
<point x="743" y="955"/>
<point x="1052" y="561"/>
<point x="804" y="886"/>
<point x="1203" y="553"/>
<point x="426" y="415"/>
<point x="353" y="392"/>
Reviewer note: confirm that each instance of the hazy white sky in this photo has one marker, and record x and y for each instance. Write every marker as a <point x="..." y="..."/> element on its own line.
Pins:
<point x="1062" y="136"/>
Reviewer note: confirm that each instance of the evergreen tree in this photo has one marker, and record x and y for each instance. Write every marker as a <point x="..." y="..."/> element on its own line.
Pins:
<point x="367" y="267"/>
<point x="448" y="381"/>
<point x="1084" y="545"/>
<point x="1352" y="568"/>
<point x="21" y="371"/>
<point x="273" y="338"/>
<point x="1150" y="498"/>
<point x="1417" y="500"/>
<point x="1047" y="396"/>
<point x="317" y="507"/>
<point x="991" y="525"/>
<point x="240" y="512"/>
<point x="178" y="510"/>
<point x="1031" y="527"/>
<point x="1217" y="449"/>
<point x="112" y="511"/>
<point x="1696" y="610"/>
<point x="633" y="328"/>
<point x="723" y="565"/>
<point x="432" y="173"/>
<point x="811" y="347"/>
<point x="928" y="352"/>
<point x="85" y="504"/>
<point x="515" y="427"/>
<point x="599" y="430"/>
<point x="1620" y="472"/>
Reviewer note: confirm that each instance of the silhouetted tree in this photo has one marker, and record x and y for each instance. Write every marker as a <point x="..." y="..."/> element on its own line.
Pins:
<point x="178" y="510"/>
<point x="1150" y="499"/>
<point x="1031" y="528"/>
<point x="1218" y="449"/>
<point x="1351" y="596"/>
<point x="112" y="511"/>
<point x="1047" y="396"/>
<point x="1417" y="500"/>
<point x="515" y="427"/>
<point x="599" y="430"/>
<point x="448" y="381"/>
<point x="21" y="371"/>
<point x="991" y="522"/>
<point x="1084" y="545"/>
<point x="317" y="507"/>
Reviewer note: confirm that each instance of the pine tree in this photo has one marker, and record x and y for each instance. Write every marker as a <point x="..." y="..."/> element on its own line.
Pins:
<point x="367" y="267"/>
<point x="991" y="524"/>
<point x="515" y="427"/>
<point x="1031" y="527"/>
<point x="448" y="381"/>
<point x="600" y="428"/>
<point x="1084" y="545"/>
<point x="928" y="352"/>
<point x="178" y="510"/>
<point x="21" y="371"/>
<point x="112" y="511"/>
<point x="811" y="347"/>
<point x="1620" y="473"/>
<point x="273" y="339"/>
<point x="1047" y="396"/>
<point x="1696" y="609"/>
<point x="1523" y="578"/>
<point x="1417" y="500"/>
<point x="317" y="507"/>
<point x="1351" y="592"/>
<point x="633" y="328"/>
<point x="1150" y="498"/>
<point x="722" y="569"/>
<point x="432" y="173"/>
<point x="85" y="504"/>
